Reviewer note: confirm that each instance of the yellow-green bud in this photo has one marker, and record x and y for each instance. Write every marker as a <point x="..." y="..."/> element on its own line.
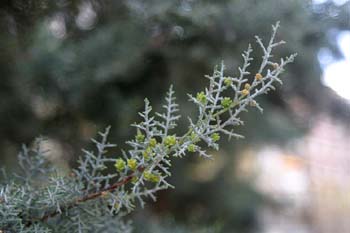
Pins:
<point x="215" y="137"/>
<point x="191" y="148"/>
<point x="119" y="165"/>
<point x="139" y="136"/>
<point x="226" y="102"/>
<point x="194" y="137"/>
<point x="152" y="142"/>
<point x="170" y="140"/>
<point x="151" y="177"/>
<point x="134" y="179"/>
<point x="155" y="178"/>
<point x="132" y="164"/>
<point x="147" y="153"/>
<point x="147" y="175"/>
<point x="201" y="97"/>
<point x="227" y="81"/>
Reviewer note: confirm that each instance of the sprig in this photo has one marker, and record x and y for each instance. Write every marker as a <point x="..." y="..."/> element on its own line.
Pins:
<point x="105" y="187"/>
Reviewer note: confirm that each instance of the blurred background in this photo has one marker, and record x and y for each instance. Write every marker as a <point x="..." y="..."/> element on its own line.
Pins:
<point x="70" y="68"/>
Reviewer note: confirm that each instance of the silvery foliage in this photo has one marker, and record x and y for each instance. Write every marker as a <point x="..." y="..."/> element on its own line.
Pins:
<point x="94" y="199"/>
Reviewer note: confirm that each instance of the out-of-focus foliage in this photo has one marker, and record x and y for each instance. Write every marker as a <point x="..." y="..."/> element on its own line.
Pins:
<point x="66" y="64"/>
<point x="69" y="68"/>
